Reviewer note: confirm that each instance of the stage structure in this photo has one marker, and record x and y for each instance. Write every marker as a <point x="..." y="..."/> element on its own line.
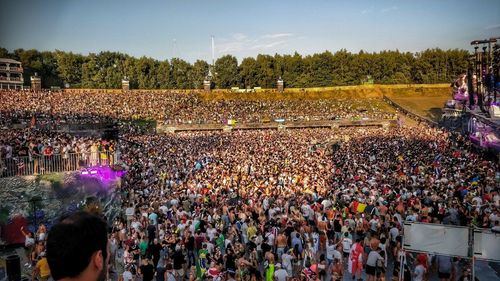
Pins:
<point x="483" y="74"/>
<point x="475" y="107"/>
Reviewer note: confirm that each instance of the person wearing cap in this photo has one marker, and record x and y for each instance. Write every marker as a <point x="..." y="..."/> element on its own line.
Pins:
<point x="280" y="274"/>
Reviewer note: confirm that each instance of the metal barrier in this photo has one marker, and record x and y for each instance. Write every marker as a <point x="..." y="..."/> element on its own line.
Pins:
<point x="39" y="165"/>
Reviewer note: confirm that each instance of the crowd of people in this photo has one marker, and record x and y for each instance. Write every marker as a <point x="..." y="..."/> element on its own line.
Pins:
<point x="306" y="204"/>
<point x="30" y="151"/>
<point x="311" y="204"/>
<point x="174" y="108"/>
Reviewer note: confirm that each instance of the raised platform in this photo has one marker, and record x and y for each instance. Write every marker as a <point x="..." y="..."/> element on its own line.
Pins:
<point x="484" y="118"/>
<point x="276" y="125"/>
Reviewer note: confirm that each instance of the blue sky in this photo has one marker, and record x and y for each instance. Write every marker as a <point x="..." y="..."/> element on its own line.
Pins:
<point x="182" y="28"/>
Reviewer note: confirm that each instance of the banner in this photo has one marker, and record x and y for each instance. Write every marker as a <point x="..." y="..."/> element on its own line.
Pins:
<point x="486" y="245"/>
<point x="436" y="239"/>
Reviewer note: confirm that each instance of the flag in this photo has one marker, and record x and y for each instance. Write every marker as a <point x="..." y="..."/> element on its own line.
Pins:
<point x="361" y="208"/>
<point x="199" y="271"/>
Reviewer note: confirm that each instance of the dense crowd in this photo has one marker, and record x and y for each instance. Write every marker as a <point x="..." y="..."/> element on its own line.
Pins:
<point x="174" y="108"/>
<point x="284" y="205"/>
<point x="30" y="151"/>
<point x="308" y="204"/>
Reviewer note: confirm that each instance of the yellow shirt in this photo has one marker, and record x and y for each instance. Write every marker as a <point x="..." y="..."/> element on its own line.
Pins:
<point x="251" y="231"/>
<point x="43" y="267"/>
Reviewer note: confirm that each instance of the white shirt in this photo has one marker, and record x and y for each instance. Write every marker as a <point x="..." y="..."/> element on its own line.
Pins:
<point x="41" y="236"/>
<point x="337" y="255"/>
<point x="127" y="276"/>
<point x="419" y="273"/>
<point x="211" y="233"/>
<point x="315" y="238"/>
<point x="270" y="238"/>
<point x="394" y="233"/>
<point x="170" y="276"/>
<point x="373" y="256"/>
<point x="346" y="244"/>
<point x="287" y="261"/>
<point x="281" y="274"/>
<point x="373" y="224"/>
<point x="129" y="211"/>
<point x="330" y="248"/>
<point x="29" y="242"/>
<point x="326" y="203"/>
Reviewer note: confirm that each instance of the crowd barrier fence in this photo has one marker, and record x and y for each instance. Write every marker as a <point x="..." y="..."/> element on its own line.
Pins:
<point x="57" y="163"/>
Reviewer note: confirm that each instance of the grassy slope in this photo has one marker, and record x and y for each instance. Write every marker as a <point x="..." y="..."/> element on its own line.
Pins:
<point x="427" y="103"/>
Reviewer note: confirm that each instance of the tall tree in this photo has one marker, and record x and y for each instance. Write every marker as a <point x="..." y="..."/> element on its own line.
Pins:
<point x="265" y="72"/>
<point x="226" y="72"/>
<point x="248" y="73"/>
<point x="164" y="76"/>
<point x="293" y="69"/>
<point x="181" y="73"/>
<point x="69" y="67"/>
<point x="199" y="73"/>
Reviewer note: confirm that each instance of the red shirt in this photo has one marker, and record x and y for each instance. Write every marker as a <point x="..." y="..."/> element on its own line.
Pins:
<point x="47" y="151"/>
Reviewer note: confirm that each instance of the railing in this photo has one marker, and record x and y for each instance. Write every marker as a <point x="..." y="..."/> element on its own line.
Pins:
<point x="35" y="165"/>
<point x="3" y="67"/>
<point x="10" y="78"/>
<point x="15" y="68"/>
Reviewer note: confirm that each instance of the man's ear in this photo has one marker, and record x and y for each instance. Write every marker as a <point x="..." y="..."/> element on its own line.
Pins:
<point x="98" y="260"/>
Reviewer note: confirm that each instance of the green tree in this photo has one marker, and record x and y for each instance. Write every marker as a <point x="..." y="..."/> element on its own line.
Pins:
<point x="181" y="74"/>
<point x="293" y="69"/>
<point x="248" y="70"/>
<point x="342" y="71"/>
<point x="226" y="72"/>
<point x="164" y="75"/>
<point x="199" y="73"/>
<point x="49" y="73"/>
<point x="265" y="72"/>
<point x="320" y="69"/>
<point x="4" y="53"/>
<point x="106" y="69"/>
<point x="146" y="70"/>
<point x="31" y="61"/>
<point x="69" y="67"/>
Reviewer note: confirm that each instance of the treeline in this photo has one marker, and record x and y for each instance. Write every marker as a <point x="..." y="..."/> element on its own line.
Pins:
<point x="106" y="69"/>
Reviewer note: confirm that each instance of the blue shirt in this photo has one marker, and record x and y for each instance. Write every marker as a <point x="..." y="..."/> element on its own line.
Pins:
<point x="297" y="241"/>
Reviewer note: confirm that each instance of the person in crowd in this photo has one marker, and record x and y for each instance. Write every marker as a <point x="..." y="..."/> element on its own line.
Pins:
<point x="78" y="249"/>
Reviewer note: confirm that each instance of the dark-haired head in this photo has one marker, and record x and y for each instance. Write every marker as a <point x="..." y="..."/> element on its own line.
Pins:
<point x="77" y="248"/>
